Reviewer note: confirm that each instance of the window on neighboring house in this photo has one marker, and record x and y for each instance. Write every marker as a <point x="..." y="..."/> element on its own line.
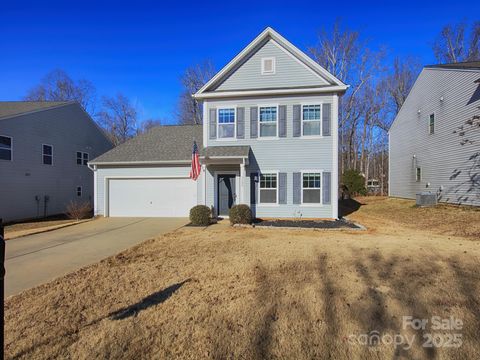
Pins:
<point x="311" y="188"/>
<point x="311" y="120"/>
<point x="5" y="148"/>
<point x="268" y="66"/>
<point x="47" y="154"/>
<point x="226" y="123"/>
<point x="268" y="189"/>
<point x="431" y="124"/>
<point x="82" y="158"/>
<point x="268" y="121"/>
<point x="79" y="191"/>
<point x="418" y="174"/>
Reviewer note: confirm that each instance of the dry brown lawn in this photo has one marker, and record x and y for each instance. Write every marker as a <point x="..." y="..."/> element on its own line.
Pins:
<point x="242" y="293"/>
<point x="27" y="227"/>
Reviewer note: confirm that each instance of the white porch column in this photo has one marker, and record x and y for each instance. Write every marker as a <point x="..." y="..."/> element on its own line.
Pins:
<point x="204" y="171"/>
<point x="242" y="183"/>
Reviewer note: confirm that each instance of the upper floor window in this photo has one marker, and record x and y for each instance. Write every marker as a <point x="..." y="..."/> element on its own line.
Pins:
<point x="5" y="148"/>
<point x="82" y="158"/>
<point x="47" y="154"/>
<point x="431" y="124"/>
<point x="79" y="191"/>
<point x="311" y="186"/>
<point x="226" y="123"/>
<point x="268" y="188"/>
<point x="268" y="66"/>
<point x="268" y="121"/>
<point x="311" y="120"/>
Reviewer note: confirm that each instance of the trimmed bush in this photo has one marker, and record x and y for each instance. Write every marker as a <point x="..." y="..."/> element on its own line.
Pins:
<point x="353" y="183"/>
<point x="200" y="215"/>
<point x="240" y="214"/>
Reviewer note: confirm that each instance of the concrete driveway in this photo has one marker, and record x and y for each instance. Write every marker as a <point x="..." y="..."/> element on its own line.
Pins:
<point x="35" y="259"/>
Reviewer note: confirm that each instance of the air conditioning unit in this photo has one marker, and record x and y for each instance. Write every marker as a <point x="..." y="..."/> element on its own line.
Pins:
<point x="426" y="198"/>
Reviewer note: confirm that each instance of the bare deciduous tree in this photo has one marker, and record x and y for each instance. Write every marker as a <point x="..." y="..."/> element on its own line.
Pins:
<point x="455" y="44"/>
<point x="58" y="86"/>
<point x="400" y="80"/>
<point x="119" y="118"/>
<point x="146" y="125"/>
<point x="194" y="77"/>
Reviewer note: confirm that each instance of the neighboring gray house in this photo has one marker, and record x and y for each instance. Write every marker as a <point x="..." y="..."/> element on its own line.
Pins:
<point x="432" y="147"/>
<point x="269" y="140"/>
<point x="44" y="151"/>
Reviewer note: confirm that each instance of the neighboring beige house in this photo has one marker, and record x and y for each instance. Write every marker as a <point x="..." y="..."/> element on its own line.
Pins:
<point x="44" y="151"/>
<point x="432" y="147"/>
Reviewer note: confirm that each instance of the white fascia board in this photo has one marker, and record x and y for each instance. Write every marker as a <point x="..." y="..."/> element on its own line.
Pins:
<point x="326" y="89"/>
<point x="166" y="162"/>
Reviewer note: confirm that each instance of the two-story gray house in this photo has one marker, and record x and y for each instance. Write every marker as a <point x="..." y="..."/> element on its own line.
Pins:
<point x="44" y="152"/>
<point x="269" y="140"/>
<point x="435" y="138"/>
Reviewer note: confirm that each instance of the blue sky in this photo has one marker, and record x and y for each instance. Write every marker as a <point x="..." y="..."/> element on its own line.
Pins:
<point x="141" y="48"/>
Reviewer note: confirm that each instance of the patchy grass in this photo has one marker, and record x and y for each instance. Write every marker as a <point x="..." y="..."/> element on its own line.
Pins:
<point x="247" y="293"/>
<point x="441" y="219"/>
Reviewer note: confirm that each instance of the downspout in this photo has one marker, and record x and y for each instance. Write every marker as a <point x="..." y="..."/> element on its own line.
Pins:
<point x="94" y="169"/>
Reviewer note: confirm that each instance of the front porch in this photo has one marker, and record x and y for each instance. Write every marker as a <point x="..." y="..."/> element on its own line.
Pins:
<point x="225" y="177"/>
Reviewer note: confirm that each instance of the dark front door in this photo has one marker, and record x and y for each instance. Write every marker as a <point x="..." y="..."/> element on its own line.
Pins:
<point x="226" y="193"/>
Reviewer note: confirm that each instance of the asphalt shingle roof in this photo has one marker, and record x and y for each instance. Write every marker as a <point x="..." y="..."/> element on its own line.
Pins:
<point x="219" y="151"/>
<point x="460" y="65"/>
<point x="14" y="108"/>
<point x="161" y="143"/>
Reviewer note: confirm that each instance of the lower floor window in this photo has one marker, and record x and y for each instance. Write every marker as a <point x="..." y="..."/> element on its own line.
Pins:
<point x="79" y="191"/>
<point x="268" y="188"/>
<point x="418" y="174"/>
<point x="311" y="186"/>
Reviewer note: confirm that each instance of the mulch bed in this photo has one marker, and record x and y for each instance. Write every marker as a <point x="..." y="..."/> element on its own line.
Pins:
<point x="308" y="224"/>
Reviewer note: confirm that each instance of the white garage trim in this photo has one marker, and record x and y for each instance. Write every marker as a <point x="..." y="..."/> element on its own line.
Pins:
<point x="107" y="190"/>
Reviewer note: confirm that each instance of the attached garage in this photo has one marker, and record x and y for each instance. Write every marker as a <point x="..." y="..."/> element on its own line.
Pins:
<point x="148" y="176"/>
<point x="150" y="197"/>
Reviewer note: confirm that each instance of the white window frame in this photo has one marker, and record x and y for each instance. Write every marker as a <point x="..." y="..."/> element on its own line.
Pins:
<point x="227" y="107"/>
<point x="43" y="154"/>
<point x="11" y="147"/>
<point x="259" y="122"/>
<point x="315" y="171"/>
<point x="274" y="65"/>
<point x="418" y="178"/>
<point x="81" y="191"/>
<point x="321" y="121"/>
<point x="267" y="172"/>
<point x="428" y="123"/>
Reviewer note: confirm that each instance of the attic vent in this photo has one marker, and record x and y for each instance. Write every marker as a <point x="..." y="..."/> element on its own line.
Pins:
<point x="268" y="66"/>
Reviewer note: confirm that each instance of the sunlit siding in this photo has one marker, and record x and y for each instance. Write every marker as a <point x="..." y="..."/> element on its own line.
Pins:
<point x="289" y="72"/>
<point x="443" y="160"/>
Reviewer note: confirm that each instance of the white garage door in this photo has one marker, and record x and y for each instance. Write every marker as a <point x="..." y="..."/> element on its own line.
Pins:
<point x="151" y="197"/>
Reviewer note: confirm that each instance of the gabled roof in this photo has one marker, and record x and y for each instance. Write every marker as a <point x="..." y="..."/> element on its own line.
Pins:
<point x="334" y="83"/>
<point x="161" y="144"/>
<point x="9" y="109"/>
<point x="470" y="65"/>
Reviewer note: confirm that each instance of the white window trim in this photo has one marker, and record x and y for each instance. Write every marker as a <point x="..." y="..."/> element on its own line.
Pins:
<point x="267" y="172"/>
<point x="81" y="191"/>
<point x="11" y="147"/>
<point x="434" y="123"/>
<point x="321" y="188"/>
<point x="418" y="178"/>
<point x="274" y="65"/>
<point x="234" y="107"/>
<point x="321" y="121"/>
<point x="47" y="154"/>
<point x="258" y="125"/>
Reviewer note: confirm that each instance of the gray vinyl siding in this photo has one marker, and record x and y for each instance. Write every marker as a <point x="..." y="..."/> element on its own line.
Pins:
<point x="139" y="171"/>
<point x="288" y="73"/>
<point x="444" y="162"/>
<point x="68" y="129"/>
<point x="287" y="155"/>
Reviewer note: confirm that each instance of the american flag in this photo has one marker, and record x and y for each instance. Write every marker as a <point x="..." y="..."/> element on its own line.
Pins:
<point x="195" y="170"/>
